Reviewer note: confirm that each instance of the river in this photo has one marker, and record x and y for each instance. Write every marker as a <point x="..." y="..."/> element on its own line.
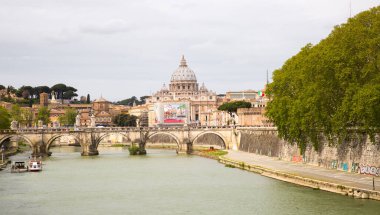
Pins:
<point x="161" y="182"/>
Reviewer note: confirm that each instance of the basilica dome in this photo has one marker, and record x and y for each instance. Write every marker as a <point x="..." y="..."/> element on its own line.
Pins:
<point x="183" y="73"/>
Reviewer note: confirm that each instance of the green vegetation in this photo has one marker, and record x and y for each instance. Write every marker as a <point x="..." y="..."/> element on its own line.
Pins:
<point x="5" y="118"/>
<point x="88" y="100"/>
<point x="133" y="149"/>
<point x="133" y="100"/>
<point x="229" y="166"/>
<point x="16" y="113"/>
<point x="117" y="145"/>
<point x="231" y="107"/>
<point x="28" y="95"/>
<point x="125" y="120"/>
<point x="329" y="88"/>
<point x="213" y="153"/>
<point x="44" y="115"/>
<point x="69" y="117"/>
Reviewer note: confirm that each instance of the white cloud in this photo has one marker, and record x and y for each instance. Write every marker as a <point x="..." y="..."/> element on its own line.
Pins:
<point x="121" y="48"/>
<point x="110" y="27"/>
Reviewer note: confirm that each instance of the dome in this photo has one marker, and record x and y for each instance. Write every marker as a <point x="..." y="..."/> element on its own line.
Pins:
<point x="101" y="99"/>
<point x="164" y="88"/>
<point x="183" y="73"/>
<point x="203" y="87"/>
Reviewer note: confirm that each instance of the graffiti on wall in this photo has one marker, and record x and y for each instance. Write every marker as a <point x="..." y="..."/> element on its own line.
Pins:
<point x="355" y="167"/>
<point x="344" y="166"/>
<point x="297" y="158"/>
<point x="370" y="170"/>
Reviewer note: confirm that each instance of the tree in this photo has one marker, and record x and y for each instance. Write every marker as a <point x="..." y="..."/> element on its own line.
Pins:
<point x="27" y="117"/>
<point x="330" y="88"/>
<point x="59" y="89"/>
<point x="44" y="115"/>
<point x="88" y="101"/>
<point x="5" y="118"/>
<point x="231" y="107"/>
<point x="68" y="118"/>
<point x="25" y="92"/>
<point x="40" y="89"/>
<point x="5" y="121"/>
<point x="2" y="87"/>
<point x="69" y="94"/>
<point x="125" y="120"/>
<point x="16" y="113"/>
<point x="133" y="100"/>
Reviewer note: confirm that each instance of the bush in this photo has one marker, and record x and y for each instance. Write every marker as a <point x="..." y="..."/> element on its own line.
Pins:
<point x="134" y="150"/>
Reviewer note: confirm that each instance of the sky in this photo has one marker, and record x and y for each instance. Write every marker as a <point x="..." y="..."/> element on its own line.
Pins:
<point x="124" y="48"/>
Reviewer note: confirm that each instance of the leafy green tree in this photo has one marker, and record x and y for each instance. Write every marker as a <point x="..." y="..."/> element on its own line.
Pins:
<point x="16" y="113"/>
<point x="5" y="121"/>
<point x="133" y="100"/>
<point x="2" y="87"/>
<point x="69" y="117"/>
<point x="69" y="94"/>
<point x="40" y="89"/>
<point x="231" y="107"/>
<point x="125" y="120"/>
<point x="44" y="115"/>
<point x="25" y="92"/>
<point x="88" y="100"/>
<point x="27" y="117"/>
<point x="59" y="89"/>
<point x="330" y="88"/>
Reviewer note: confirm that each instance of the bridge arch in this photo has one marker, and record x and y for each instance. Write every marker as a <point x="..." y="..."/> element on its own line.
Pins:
<point x="2" y="140"/>
<point x="125" y="135"/>
<point x="225" y="143"/>
<point x="166" y="133"/>
<point x="55" y="137"/>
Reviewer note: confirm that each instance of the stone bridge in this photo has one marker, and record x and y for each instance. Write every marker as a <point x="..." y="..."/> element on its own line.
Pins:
<point x="89" y="139"/>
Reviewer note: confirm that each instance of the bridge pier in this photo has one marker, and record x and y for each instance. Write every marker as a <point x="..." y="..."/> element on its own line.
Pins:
<point x="142" y="150"/>
<point x="89" y="150"/>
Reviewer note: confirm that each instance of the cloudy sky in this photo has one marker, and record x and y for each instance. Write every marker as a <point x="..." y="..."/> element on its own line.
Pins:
<point x="121" y="48"/>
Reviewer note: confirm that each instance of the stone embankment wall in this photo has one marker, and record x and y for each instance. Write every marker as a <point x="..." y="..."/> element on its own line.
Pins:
<point x="357" y="155"/>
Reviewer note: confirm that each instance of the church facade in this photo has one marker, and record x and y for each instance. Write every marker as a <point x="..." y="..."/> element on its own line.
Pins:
<point x="184" y="101"/>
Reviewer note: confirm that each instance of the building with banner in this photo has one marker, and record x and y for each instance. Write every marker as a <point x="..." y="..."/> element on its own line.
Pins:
<point x="184" y="101"/>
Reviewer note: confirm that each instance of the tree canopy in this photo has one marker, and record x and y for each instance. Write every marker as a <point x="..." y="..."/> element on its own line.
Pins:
<point x="231" y="107"/>
<point x="329" y="88"/>
<point x="125" y="120"/>
<point x="31" y="94"/>
<point x="133" y="100"/>
<point x="5" y="121"/>
<point x="69" y="117"/>
<point x="43" y="115"/>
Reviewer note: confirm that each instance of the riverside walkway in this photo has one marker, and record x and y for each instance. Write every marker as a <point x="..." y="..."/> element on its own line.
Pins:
<point x="359" y="181"/>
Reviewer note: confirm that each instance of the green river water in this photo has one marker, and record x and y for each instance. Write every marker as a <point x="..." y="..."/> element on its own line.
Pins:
<point x="160" y="183"/>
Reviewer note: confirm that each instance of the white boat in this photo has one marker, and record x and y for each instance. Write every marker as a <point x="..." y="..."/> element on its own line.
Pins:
<point x="19" y="166"/>
<point x="35" y="165"/>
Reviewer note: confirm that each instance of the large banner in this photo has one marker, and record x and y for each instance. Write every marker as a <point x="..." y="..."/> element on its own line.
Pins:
<point x="172" y="113"/>
<point x="175" y="113"/>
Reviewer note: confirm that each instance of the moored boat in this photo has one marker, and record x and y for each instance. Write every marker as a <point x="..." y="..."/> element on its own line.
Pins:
<point x="19" y="166"/>
<point x="35" y="165"/>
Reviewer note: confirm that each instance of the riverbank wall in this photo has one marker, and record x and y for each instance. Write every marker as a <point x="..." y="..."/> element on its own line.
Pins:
<point x="357" y="155"/>
<point x="295" y="179"/>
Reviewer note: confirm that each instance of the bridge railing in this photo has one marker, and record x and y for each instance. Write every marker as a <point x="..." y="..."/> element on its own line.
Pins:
<point x="126" y="129"/>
